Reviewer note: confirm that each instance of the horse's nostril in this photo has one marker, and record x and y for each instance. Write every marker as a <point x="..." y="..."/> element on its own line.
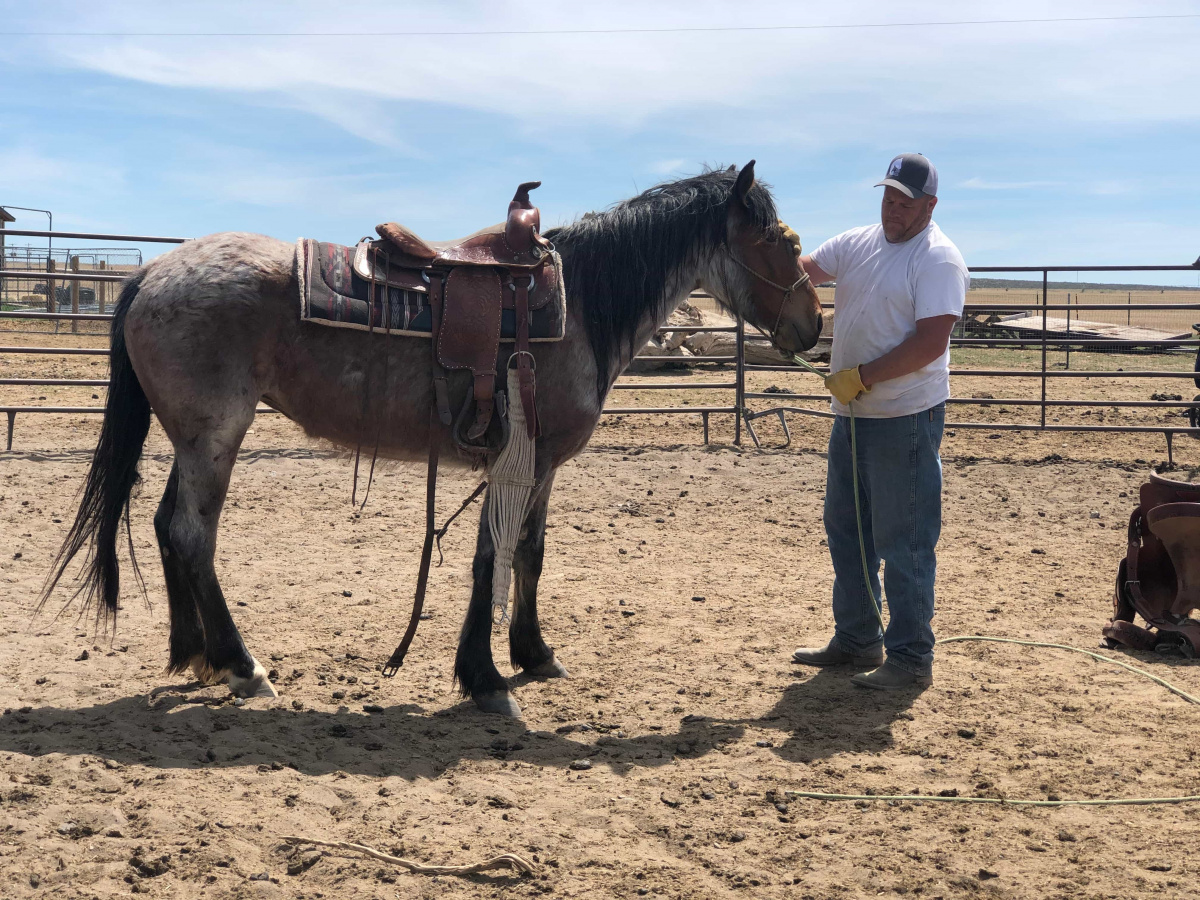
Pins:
<point x="820" y="323"/>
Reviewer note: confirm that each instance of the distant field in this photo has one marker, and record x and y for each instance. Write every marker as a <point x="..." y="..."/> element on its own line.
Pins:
<point x="1173" y="321"/>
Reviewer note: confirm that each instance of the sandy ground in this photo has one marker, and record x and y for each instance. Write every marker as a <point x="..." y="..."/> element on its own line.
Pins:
<point x="678" y="580"/>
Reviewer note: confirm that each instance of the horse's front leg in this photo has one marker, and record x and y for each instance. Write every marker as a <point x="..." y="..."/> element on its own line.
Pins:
<point x="474" y="670"/>
<point x="527" y="650"/>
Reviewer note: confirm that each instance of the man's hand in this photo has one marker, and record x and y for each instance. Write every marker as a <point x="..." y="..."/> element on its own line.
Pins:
<point x="845" y="385"/>
<point x="815" y="272"/>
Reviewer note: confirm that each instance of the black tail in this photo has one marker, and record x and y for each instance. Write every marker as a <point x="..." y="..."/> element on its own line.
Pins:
<point x="111" y="479"/>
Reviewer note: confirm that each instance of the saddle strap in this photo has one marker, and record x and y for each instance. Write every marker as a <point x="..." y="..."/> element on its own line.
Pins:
<point x="441" y="389"/>
<point x="525" y="372"/>
<point x="436" y="433"/>
<point x="1129" y="583"/>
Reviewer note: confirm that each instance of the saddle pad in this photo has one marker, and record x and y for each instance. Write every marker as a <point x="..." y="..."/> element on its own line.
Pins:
<point x="333" y="293"/>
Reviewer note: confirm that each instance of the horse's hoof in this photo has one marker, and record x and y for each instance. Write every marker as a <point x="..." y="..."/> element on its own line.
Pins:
<point x="498" y="702"/>
<point x="257" y="685"/>
<point x="551" y="668"/>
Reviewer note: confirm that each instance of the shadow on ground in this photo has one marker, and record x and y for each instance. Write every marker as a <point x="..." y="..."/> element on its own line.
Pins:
<point x="195" y="729"/>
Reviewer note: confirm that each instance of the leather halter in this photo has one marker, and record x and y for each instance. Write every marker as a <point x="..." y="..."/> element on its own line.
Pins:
<point x="787" y="291"/>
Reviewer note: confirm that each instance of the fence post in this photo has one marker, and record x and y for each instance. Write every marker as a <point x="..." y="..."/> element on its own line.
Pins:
<point x="1045" y="312"/>
<point x="99" y="287"/>
<point x="75" y="294"/>
<point x="51" y="300"/>
<point x="1068" y="331"/>
<point x="739" y="391"/>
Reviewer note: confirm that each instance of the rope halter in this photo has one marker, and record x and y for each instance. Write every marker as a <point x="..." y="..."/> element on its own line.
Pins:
<point x="804" y="278"/>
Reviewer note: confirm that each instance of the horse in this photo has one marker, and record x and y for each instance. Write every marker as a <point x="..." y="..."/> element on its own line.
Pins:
<point x="203" y="333"/>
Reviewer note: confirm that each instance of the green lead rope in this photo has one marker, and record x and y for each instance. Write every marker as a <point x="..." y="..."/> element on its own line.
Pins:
<point x="876" y="605"/>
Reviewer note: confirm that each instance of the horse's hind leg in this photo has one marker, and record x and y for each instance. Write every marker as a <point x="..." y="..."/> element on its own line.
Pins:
<point x="204" y="463"/>
<point x="527" y="650"/>
<point x="474" y="669"/>
<point x="187" y="636"/>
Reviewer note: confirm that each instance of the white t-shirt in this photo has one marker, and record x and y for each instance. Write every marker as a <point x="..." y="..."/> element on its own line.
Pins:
<point x="882" y="289"/>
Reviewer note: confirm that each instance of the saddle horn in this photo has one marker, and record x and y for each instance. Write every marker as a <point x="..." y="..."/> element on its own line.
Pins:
<point x="523" y="229"/>
<point x="520" y="199"/>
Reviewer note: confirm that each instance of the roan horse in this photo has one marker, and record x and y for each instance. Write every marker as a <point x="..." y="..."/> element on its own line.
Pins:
<point x="203" y="333"/>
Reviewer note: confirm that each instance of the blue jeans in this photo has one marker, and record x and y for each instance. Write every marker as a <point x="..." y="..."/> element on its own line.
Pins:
<point x="900" y="489"/>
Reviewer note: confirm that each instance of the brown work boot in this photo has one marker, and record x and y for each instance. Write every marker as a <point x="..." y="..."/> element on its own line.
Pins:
<point x="891" y="678"/>
<point x="831" y="655"/>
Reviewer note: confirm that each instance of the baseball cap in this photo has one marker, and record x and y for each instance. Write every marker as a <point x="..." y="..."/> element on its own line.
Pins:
<point x="912" y="174"/>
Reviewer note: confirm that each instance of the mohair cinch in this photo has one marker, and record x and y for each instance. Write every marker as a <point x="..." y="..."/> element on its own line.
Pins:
<point x="510" y="482"/>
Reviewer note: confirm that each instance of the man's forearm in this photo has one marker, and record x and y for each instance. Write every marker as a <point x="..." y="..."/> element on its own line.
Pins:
<point x="815" y="272"/>
<point x="930" y="342"/>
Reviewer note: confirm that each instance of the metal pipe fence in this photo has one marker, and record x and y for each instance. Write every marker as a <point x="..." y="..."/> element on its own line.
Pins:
<point x="1028" y="327"/>
<point x="999" y="337"/>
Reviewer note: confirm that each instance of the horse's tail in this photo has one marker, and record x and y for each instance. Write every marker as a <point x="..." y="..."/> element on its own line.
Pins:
<point x="110" y="480"/>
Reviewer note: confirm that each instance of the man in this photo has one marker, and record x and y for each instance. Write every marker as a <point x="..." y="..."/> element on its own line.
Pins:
<point x="901" y="286"/>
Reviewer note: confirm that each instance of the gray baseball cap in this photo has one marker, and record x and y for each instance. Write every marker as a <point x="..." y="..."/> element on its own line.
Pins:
<point x="911" y="174"/>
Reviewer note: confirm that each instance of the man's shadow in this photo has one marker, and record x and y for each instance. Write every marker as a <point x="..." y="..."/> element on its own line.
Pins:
<point x="823" y="714"/>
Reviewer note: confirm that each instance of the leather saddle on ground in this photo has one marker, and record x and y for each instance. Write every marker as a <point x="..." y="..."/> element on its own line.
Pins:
<point x="1159" y="578"/>
<point x="502" y="283"/>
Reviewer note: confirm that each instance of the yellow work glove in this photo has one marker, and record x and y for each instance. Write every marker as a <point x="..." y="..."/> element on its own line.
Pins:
<point x="846" y="385"/>
<point x="790" y="235"/>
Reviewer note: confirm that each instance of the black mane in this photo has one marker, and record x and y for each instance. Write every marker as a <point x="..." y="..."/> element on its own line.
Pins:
<point x="617" y="262"/>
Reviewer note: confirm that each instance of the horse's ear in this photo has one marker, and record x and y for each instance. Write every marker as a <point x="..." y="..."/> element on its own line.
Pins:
<point x="745" y="181"/>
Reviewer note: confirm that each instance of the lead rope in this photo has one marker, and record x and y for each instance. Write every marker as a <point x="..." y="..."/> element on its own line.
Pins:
<point x="877" y="606"/>
<point x="920" y="798"/>
<point x="862" y="542"/>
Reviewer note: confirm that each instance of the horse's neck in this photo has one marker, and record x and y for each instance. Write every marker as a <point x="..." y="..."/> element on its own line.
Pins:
<point x="676" y="289"/>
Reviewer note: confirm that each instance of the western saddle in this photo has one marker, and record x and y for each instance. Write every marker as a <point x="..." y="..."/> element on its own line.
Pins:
<point x="1160" y="574"/>
<point x="470" y="281"/>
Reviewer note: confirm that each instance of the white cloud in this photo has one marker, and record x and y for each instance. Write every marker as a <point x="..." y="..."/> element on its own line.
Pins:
<point x="812" y="86"/>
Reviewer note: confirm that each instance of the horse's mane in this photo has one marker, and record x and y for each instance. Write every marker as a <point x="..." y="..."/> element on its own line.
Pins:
<point x="617" y="262"/>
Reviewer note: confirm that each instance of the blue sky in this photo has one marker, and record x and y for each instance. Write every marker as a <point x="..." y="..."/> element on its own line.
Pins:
<point x="1068" y="142"/>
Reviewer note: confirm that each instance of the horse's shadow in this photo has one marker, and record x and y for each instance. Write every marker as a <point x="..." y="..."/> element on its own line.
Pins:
<point x="184" y="731"/>
<point x="196" y="730"/>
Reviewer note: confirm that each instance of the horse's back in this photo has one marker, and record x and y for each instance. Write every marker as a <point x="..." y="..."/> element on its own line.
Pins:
<point x="206" y="315"/>
<point x="218" y="268"/>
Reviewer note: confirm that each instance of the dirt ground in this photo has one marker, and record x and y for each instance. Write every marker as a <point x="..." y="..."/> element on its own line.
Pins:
<point x="678" y="580"/>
